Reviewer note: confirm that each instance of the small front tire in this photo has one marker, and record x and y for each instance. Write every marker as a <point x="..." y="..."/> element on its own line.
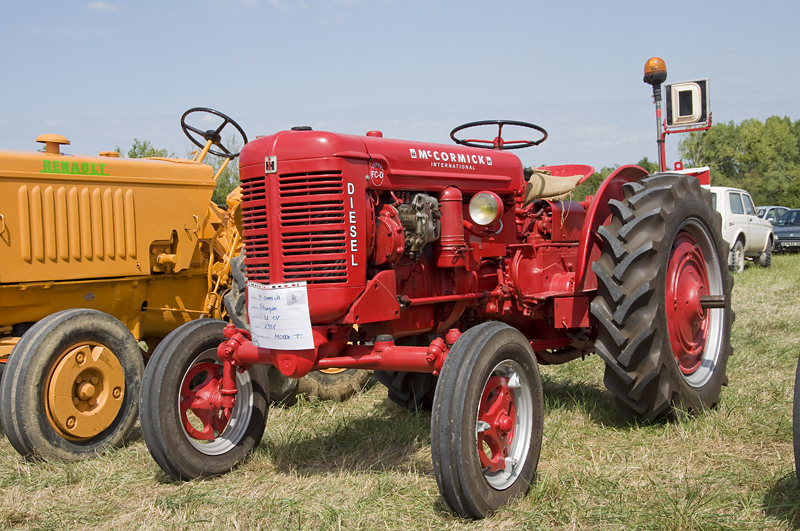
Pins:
<point x="186" y="436"/>
<point x="487" y="421"/>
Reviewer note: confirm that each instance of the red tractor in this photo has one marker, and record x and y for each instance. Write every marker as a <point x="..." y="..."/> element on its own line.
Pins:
<point x="444" y="269"/>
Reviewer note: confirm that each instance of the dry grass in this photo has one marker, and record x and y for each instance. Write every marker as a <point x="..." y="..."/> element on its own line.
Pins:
<point x="365" y="464"/>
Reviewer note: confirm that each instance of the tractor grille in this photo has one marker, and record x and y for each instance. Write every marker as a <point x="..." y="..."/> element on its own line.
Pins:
<point x="309" y="242"/>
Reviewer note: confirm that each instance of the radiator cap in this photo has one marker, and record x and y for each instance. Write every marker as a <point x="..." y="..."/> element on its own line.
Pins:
<point x="52" y="143"/>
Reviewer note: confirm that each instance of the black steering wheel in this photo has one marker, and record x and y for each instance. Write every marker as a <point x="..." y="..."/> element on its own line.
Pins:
<point x="498" y="143"/>
<point x="215" y="135"/>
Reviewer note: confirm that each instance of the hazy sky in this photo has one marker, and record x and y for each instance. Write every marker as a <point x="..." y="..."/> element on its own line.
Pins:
<point x="105" y="72"/>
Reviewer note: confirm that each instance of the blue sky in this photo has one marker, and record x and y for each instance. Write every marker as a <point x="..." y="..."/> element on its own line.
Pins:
<point x="105" y="72"/>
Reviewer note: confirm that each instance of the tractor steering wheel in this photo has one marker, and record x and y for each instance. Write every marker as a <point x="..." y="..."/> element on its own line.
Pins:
<point x="214" y="135"/>
<point x="498" y="143"/>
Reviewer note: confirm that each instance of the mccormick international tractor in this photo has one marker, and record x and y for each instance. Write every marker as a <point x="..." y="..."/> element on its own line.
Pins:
<point x="99" y="254"/>
<point x="453" y="273"/>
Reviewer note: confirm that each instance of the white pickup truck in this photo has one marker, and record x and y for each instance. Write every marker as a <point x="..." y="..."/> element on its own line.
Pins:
<point x="748" y="235"/>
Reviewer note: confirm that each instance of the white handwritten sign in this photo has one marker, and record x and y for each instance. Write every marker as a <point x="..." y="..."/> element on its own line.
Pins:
<point x="279" y="316"/>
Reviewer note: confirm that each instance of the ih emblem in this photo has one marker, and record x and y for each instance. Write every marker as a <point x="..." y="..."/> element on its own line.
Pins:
<point x="270" y="164"/>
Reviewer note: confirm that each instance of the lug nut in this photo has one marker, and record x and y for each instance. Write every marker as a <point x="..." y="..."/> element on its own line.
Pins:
<point x="80" y="357"/>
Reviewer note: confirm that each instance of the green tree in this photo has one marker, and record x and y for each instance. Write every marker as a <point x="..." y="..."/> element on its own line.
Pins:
<point x="227" y="181"/>
<point x="142" y="149"/>
<point x="590" y="185"/>
<point x="761" y="157"/>
<point x="648" y="165"/>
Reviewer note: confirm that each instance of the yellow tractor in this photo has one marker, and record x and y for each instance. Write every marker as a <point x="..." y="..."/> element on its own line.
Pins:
<point x="103" y="255"/>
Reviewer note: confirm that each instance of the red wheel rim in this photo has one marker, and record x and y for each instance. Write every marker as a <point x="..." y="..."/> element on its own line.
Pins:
<point x="687" y="320"/>
<point x="200" y="388"/>
<point x="497" y="416"/>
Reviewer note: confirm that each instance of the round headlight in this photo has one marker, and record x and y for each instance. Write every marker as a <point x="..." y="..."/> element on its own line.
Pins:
<point x="485" y="208"/>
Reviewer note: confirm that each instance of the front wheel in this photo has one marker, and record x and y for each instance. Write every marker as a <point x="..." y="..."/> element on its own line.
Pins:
<point x="487" y="420"/>
<point x="71" y="386"/>
<point x="186" y="434"/>
<point x="664" y="299"/>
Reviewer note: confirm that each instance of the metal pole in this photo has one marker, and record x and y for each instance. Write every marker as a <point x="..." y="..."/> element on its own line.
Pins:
<point x="659" y="133"/>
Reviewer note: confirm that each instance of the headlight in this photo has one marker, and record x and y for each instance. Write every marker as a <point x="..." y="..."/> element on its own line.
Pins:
<point x="485" y="208"/>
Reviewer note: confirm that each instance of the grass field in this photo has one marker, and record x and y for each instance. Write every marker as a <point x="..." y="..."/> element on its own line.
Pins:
<point x="365" y="464"/>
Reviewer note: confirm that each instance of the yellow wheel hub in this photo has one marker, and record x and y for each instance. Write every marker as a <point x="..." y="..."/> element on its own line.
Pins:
<point x="85" y="391"/>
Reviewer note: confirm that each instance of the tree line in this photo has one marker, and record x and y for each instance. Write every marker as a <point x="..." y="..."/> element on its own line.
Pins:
<point x="760" y="157"/>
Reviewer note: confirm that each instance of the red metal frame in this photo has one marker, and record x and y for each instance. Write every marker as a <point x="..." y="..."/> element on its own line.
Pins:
<point x="666" y="130"/>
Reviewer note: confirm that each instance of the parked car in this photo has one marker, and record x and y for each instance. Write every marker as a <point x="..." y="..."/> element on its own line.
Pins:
<point x="771" y="213"/>
<point x="748" y="235"/>
<point x="787" y="232"/>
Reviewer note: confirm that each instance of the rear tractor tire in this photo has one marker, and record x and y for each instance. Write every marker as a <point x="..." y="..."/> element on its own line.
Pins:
<point x="71" y="386"/>
<point x="487" y="421"/>
<point x="185" y="434"/>
<point x="663" y="301"/>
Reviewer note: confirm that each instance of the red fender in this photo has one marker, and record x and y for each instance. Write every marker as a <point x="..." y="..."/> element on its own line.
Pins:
<point x="599" y="214"/>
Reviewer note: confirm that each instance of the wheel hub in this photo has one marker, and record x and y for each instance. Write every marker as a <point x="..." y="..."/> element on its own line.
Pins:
<point x="200" y="410"/>
<point x="85" y="391"/>
<point x="687" y="320"/>
<point x="496" y="424"/>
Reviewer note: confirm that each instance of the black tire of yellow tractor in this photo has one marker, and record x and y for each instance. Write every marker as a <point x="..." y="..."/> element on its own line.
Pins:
<point x="30" y="371"/>
<point x="235" y="299"/>
<point x="411" y="390"/>
<point x="631" y="305"/>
